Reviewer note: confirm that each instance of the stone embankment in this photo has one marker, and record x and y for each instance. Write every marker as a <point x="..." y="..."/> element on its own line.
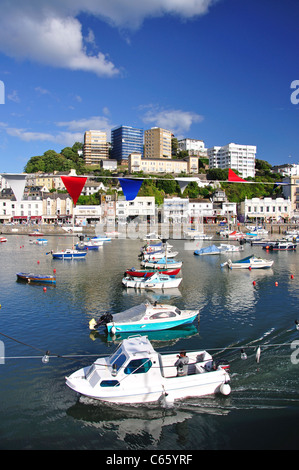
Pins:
<point x="91" y="230"/>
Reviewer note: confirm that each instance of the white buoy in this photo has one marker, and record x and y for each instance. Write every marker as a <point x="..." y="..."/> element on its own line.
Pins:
<point x="258" y="354"/>
<point x="225" y="389"/>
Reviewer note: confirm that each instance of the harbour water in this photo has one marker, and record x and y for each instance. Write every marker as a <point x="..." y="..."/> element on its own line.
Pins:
<point x="239" y="309"/>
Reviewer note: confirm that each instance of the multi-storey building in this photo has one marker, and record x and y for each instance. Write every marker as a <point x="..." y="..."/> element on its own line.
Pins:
<point x="193" y="147"/>
<point x="95" y="148"/>
<point x="266" y="209"/>
<point x="158" y="165"/>
<point x="290" y="190"/>
<point x="234" y="156"/>
<point x="157" y="143"/>
<point x="124" y="141"/>
<point x="141" y="207"/>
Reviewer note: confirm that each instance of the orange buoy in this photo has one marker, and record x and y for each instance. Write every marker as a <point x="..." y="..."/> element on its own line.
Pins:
<point x="292" y="277"/>
<point x="276" y="283"/>
<point x="44" y="289"/>
<point x="254" y="283"/>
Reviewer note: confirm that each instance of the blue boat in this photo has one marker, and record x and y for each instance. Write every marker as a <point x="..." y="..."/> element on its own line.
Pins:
<point x="145" y="317"/>
<point x="68" y="254"/>
<point x="162" y="263"/>
<point x="208" y="250"/>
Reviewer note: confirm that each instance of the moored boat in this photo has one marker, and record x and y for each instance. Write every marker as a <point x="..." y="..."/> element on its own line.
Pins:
<point x="137" y="373"/>
<point x="280" y="245"/>
<point x="149" y="272"/>
<point x="68" y="254"/>
<point x="208" y="250"/>
<point x="30" y="277"/>
<point x="145" y="317"/>
<point x="156" y="281"/>
<point x="162" y="263"/>
<point x="250" y="262"/>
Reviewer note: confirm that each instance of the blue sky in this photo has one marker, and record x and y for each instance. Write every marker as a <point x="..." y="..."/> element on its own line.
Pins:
<point x="216" y="70"/>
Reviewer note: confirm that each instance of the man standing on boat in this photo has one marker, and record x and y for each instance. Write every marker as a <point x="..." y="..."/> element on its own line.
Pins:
<point x="182" y="364"/>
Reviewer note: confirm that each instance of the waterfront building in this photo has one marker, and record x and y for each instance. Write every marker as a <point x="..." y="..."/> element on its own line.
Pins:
<point x="124" y="141"/>
<point x="290" y="190"/>
<point x="266" y="209"/>
<point x="95" y="147"/>
<point x="234" y="156"/>
<point x="86" y="215"/>
<point x="141" y="207"/>
<point x="158" y="165"/>
<point x="57" y="208"/>
<point x="157" y="143"/>
<point x="176" y="210"/>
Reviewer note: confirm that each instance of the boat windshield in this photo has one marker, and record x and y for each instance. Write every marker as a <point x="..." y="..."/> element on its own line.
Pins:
<point x="117" y="359"/>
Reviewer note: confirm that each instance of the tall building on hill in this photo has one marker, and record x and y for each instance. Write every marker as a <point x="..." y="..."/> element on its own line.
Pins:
<point x="157" y="143"/>
<point x="235" y="156"/>
<point x="95" y="148"/>
<point x="124" y="141"/>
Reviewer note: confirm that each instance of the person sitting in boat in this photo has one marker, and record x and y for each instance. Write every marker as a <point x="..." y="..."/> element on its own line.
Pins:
<point x="182" y="364"/>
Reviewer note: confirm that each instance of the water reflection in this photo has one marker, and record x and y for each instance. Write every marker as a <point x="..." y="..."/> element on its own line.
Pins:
<point x="158" y="338"/>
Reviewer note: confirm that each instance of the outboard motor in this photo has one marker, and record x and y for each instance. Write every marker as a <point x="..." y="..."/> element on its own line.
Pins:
<point x="103" y="320"/>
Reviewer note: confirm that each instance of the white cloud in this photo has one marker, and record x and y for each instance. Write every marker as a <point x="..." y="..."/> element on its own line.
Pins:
<point x="175" y="120"/>
<point x="50" y="33"/>
<point x="94" y="122"/>
<point x="74" y="131"/>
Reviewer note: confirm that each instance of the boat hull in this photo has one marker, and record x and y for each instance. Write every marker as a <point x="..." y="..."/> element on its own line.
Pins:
<point x="149" y="284"/>
<point x="144" y="326"/>
<point x="69" y="255"/>
<point x="28" y="277"/>
<point x="148" y="273"/>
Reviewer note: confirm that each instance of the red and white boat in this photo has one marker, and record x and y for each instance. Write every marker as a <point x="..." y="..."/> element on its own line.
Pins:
<point x="150" y="272"/>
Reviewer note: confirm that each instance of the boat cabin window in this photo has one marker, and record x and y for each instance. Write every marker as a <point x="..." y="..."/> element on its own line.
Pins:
<point x="109" y="383"/>
<point x="138" y="366"/>
<point x="117" y="360"/>
<point x="166" y="314"/>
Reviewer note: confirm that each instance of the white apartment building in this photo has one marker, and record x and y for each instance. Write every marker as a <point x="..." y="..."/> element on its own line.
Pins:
<point x="234" y="156"/>
<point x="193" y="147"/>
<point x="266" y="209"/>
<point x="27" y="210"/>
<point x="289" y="169"/>
<point x="176" y="210"/>
<point x="200" y="210"/>
<point x="141" y="207"/>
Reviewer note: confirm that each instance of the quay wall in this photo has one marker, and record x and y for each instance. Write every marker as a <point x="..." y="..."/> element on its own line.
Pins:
<point x="277" y="230"/>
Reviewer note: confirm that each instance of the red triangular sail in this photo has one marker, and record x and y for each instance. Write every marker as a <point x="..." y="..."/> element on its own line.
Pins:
<point x="74" y="185"/>
<point x="233" y="177"/>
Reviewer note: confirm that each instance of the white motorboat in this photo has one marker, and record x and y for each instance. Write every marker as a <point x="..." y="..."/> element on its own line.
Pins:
<point x="156" y="281"/>
<point x="145" y="317"/>
<point x="153" y="236"/>
<point x="136" y="373"/>
<point x="197" y="235"/>
<point x="250" y="262"/>
<point x="226" y="248"/>
<point x="162" y="263"/>
<point x="159" y="255"/>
